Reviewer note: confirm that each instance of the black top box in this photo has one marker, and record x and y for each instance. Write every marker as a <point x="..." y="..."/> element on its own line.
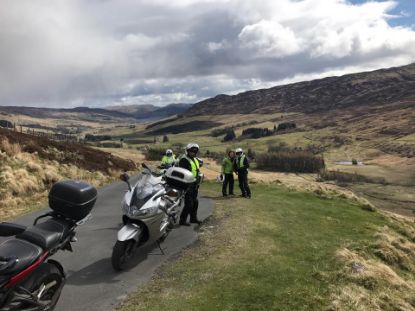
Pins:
<point x="72" y="199"/>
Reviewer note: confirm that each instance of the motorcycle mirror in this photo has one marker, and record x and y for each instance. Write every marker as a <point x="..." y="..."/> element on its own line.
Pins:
<point x="124" y="177"/>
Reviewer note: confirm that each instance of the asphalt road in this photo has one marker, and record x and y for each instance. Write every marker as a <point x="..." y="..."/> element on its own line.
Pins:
<point x="92" y="284"/>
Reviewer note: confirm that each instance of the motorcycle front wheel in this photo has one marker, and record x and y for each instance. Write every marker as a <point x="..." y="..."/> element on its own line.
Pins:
<point x="122" y="252"/>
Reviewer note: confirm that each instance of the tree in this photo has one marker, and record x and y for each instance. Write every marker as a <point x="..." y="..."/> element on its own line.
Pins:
<point x="230" y="135"/>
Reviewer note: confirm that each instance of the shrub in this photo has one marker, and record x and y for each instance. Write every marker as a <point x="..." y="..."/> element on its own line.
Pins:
<point x="230" y="135"/>
<point x="293" y="161"/>
<point x="286" y="126"/>
<point x="254" y="132"/>
<point x="165" y="139"/>
<point x="90" y="137"/>
<point x="6" y="124"/>
<point x="345" y="177"/>
<point x="220" y="131"/>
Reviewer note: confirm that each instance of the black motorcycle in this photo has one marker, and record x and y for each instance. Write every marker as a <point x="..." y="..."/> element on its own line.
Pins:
<point x="29" y="279"/>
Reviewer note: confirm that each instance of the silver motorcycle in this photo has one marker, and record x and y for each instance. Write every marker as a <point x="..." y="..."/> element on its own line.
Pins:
<point x="150" y="210"/>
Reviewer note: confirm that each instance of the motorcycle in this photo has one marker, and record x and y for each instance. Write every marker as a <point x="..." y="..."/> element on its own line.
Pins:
<point x="150" y="210"/>
<point x="29" y="280"/>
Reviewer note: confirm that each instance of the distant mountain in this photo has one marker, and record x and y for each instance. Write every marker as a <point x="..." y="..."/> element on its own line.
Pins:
<point x="163" y="112"/>
<point x="133" y="109"/>
<point x="139" y="112"/>
<point x="150" y="112"/>
<point x="361" y="89"/>
<point x="61" y="112"/>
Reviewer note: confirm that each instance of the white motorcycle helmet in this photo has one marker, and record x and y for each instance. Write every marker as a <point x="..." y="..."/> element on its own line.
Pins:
<point x="238" y="150"/>
<point x="169" y="152"/>
<point x="192" y="145"/>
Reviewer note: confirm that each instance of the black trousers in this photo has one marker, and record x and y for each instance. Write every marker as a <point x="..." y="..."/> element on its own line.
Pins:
<point x="191" y="204"/>
<point x="228" y="180"/>
<point x="243" y="182"/>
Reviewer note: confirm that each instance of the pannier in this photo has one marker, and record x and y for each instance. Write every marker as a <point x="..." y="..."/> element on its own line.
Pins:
<point x="72" y="198"/>
<point x="179" y="178"/>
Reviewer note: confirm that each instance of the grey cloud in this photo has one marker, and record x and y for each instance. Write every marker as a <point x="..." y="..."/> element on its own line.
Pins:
<point x="100" y="52"/>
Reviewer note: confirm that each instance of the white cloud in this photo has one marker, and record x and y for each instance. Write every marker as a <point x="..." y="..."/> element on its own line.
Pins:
<point x="63" y="53"/>
<point x="270" y="38"/>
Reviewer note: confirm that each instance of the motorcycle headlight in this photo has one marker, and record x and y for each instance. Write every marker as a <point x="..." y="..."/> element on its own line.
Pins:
<point x="139" y="212"/>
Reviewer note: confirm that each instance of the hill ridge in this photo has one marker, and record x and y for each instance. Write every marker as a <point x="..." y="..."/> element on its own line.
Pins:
<point x="370" y="88"/>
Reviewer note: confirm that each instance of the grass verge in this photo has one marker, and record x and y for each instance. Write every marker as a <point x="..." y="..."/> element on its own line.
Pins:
<point x="284" y="250"/>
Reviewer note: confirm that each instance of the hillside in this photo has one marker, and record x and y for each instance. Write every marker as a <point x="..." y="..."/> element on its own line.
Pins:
<point x="132" y="109"/>
<point x="151" y="112"/>
<point x="29" y="165"/>
<point x="369" y="89"/>
<point x="82" y="112"/>
<point x="113" y="113"/>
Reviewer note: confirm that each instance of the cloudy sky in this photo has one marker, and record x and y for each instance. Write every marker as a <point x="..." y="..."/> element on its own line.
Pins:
<point x="66" y="53"/>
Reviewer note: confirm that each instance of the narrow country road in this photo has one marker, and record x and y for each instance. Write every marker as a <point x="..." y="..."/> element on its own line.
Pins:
<point x="92" y="284"/>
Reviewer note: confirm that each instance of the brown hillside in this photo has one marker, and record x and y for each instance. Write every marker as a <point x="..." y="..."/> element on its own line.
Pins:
<point x="68" y="153"/>
<point x="380" y="87"/>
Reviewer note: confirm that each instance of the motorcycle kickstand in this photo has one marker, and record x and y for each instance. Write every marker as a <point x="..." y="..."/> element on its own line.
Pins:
<point x="161" y="250"/>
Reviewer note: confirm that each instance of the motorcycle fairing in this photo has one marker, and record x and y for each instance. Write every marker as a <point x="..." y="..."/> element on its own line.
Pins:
<point x="129" y="231"/>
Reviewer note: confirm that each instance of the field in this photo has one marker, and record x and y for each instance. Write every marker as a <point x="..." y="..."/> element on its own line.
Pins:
<point x="302" y="243"/>
<point x="381" y="138"/>
<point x="300" y="252"/>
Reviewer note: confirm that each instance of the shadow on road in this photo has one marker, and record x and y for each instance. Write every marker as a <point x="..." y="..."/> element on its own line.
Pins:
<point x="101" y="271"/>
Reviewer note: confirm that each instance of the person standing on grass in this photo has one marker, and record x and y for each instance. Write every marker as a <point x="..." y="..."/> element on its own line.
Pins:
<point x="190" y="162"/>
<point x="241" y="168"/>
<point x="227" y="172"/>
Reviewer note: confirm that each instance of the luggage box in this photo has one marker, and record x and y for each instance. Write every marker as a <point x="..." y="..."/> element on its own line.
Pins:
<point x="179" y="178"/>
<point x="72" y="199"/>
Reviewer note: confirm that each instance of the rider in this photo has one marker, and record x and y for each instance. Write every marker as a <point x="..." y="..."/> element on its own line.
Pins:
<point x="168" y="159"/>
<point x="190" y="162"/>
<point x="241" y="167"/>
<point x="227" y="171"/>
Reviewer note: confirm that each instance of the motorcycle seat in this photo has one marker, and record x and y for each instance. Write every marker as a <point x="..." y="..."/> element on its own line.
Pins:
<point x="47" y="234"/>
<point x="10" y="229"/>
<point x="27" y="253"/>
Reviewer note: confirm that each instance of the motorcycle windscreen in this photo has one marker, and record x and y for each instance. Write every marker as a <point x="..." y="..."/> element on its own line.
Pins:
<point x="146" y="186"/>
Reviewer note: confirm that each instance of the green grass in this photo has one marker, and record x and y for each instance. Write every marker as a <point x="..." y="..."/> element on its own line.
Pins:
<point x="274" y="252"/>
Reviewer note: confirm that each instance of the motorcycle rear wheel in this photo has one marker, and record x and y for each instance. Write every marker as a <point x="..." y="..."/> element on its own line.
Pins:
<point x="122" y="252"/>
<point x="44" y="288"/>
